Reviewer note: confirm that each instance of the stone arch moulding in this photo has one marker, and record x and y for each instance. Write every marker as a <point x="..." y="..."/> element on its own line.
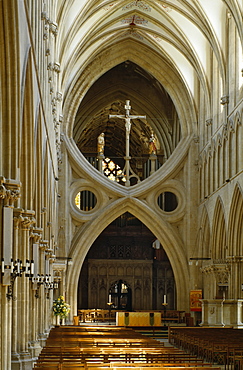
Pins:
<point x="219" y="231"/>
<point x="85" y="170"/>
<point x="172" y="244"/>
<point x="161" y="69"/>
<point x="235" y="222"/>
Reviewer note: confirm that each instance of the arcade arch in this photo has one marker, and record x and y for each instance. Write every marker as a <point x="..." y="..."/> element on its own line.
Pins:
<point x="163" y="231"/>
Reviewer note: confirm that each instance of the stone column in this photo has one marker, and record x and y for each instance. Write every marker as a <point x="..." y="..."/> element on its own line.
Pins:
<point x="15" y="319"/>
<point x="44" y="245"/>
<point x="24" y="289"/>
<point x="100" y="162"/>
<point x="236" y="278"/>
<point x="35" y="347"/>
<point x="153" y="159"/>
<point x="9" y="194"/>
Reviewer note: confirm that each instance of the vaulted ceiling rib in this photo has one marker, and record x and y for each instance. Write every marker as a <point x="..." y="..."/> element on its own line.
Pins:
<point x="186" y="35"/>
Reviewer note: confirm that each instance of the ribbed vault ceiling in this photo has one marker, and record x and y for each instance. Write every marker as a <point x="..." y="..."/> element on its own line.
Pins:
<point x="108" y="95"/>
<point x="187" y="35"/>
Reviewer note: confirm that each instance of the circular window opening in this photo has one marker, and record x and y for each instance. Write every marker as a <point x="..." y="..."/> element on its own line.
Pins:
<point x="85" y="200"/>
<point x="167" y="201"/>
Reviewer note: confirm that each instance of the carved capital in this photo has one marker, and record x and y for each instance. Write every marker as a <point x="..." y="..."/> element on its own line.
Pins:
<point x="221" y="272"/>
<point x="3" y="191"/>
<point x="36" y="234"/>
<point x="18" y="218"/>
<point x="28" y="219"/>
<point x="9" y="191"/>
<point x="44" y="245"/>
<point x="52" y="258"/>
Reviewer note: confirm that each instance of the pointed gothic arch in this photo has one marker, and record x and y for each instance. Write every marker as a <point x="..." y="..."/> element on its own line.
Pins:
<point x="204" y="236"/>
<point x="162" y="230"/>
<point x="219" y="232"/>
<point x="238" y="142"/>
<point x="170" y="80"/>
<point x="235" y="240"/>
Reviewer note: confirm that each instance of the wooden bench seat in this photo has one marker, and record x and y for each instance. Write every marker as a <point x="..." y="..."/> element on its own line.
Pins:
<point x="213" y="344"/>
<point x="124" y="367"/>
<point x="101" y="348"/>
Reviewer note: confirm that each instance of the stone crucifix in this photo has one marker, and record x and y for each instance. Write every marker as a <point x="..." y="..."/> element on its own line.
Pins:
<point x="127" y="117"/>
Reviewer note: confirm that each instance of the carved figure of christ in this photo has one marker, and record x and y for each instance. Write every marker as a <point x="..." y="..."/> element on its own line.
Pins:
<point x="127" y="117"/>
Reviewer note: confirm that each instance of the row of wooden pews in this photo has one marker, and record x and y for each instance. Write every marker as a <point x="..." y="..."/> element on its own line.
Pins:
<point x="111" y="347"/>
<point x="223" y="346"/>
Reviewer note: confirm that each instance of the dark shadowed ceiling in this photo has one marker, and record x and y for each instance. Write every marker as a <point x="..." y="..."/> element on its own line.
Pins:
<point x="126" y="81"/>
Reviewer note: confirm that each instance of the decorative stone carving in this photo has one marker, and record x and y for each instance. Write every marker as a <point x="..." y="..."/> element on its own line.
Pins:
<point x="61" y="118"/>
<point x="9" y="191"/>
<point x="209" y="122"/>
<point x="44" y="245"/>
<point x="231" y="126"/>
<point x="225" y="131"/>
<point x="221" y="272"/>
<point x="18" y="218"/>
<point x="36" y="234"/>
<point x="53" y="28"/>
<point x="57" y="67"/>
<point x="59" y="96"/>
<point x="3" y="191"/>
<point x="27" y="222"/>
<point x="224" y="100"/>
<point x="54" y="102"/>
<point x="139" y="4"/>
<point x="235" y="259"/>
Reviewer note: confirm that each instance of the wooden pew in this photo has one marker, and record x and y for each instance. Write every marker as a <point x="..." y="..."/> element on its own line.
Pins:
<point x="113" y="347"/>
<point x="213" y="344"/>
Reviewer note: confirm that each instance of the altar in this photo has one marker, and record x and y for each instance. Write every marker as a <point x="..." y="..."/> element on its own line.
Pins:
<point x="138" y="318"/>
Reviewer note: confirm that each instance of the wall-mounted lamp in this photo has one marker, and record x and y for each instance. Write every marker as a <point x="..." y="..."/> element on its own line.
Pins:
<point x="45" y="280"/>
<point x="16" y="269"/>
